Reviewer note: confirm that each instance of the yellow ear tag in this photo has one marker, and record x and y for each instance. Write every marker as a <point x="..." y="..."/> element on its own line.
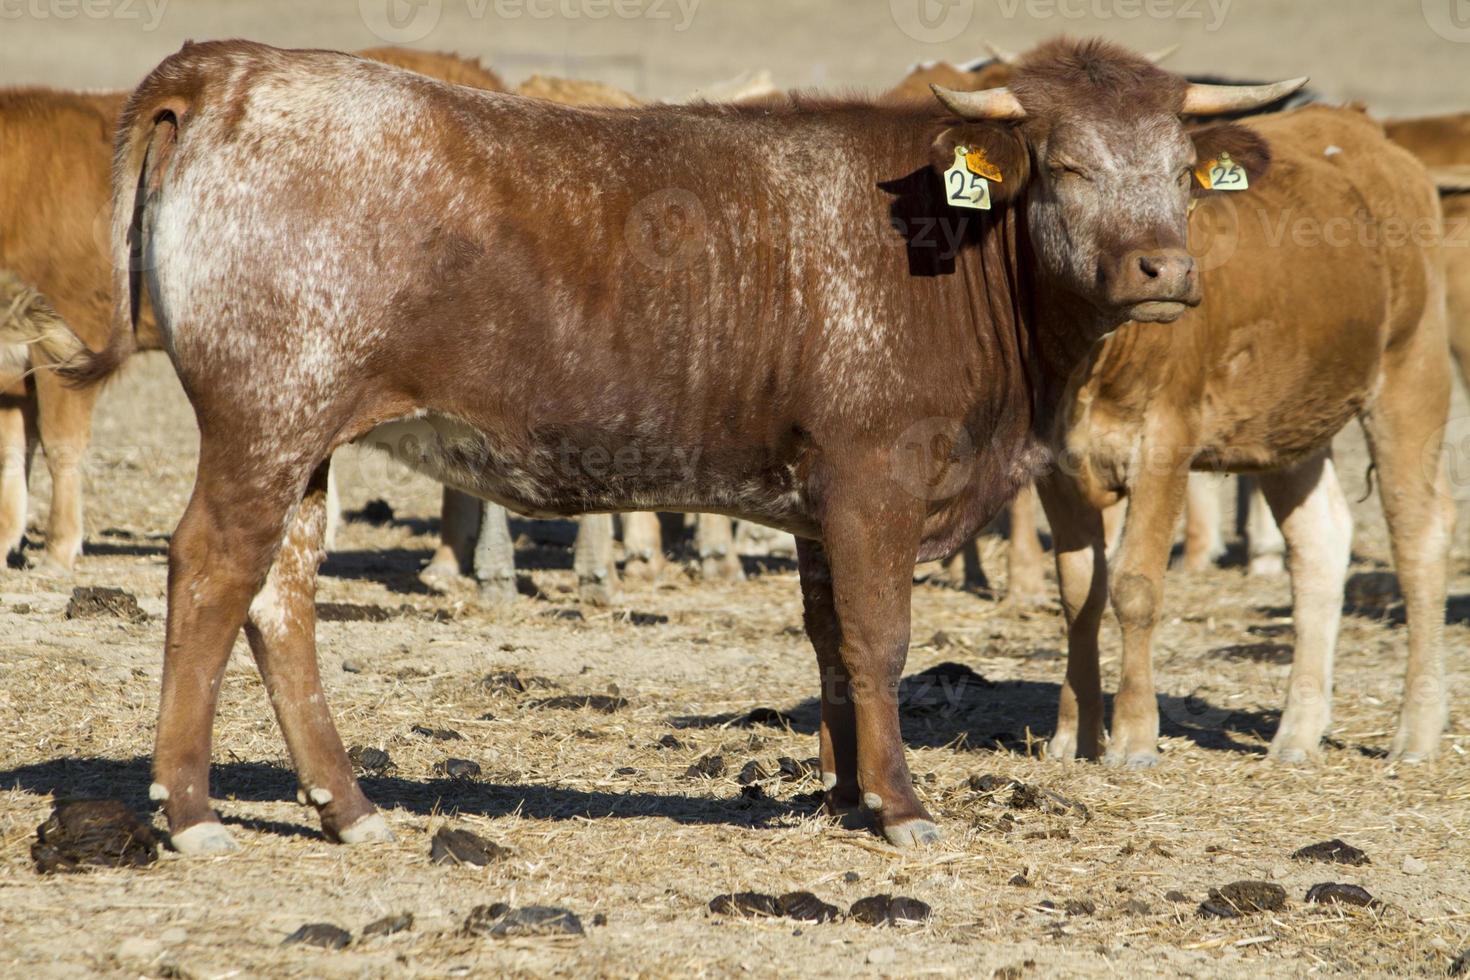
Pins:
<point x="963" y="187"/>
<point x="1223" y="174"/>
<point x="978" y="163"/>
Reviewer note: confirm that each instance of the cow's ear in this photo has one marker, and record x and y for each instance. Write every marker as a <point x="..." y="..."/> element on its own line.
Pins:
<point x="1246" y="147"/>
<point x="1004" y="154"/>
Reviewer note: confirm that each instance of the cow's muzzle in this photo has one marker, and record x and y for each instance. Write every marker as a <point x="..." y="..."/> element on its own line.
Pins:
<point x="1153" y="285"/>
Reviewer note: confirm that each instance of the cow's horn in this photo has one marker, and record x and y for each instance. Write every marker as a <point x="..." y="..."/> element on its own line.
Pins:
<point x="1212" y="100"/>
<point x="992" y="103"/>
<point x="1001" y="54"/>
<point x="1163" y="54"/>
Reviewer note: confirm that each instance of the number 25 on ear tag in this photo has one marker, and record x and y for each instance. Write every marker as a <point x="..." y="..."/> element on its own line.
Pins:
<point x="963" y="188"/>
<point x="1223" y="174"/>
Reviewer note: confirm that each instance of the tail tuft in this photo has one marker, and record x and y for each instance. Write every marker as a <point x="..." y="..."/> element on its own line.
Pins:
<point x="28" y="319"/>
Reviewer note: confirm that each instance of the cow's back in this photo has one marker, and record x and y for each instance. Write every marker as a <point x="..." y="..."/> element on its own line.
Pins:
<point x="55" y="153"/>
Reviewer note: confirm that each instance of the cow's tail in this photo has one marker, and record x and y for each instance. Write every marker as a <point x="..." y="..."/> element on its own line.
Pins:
<point x="30" y="325"/>
<point x="146" y="137"/>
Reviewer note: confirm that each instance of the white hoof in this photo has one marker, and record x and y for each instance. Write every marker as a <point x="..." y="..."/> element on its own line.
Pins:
<point x="912" y="833"/>
<point x="371" y="829"/>
<point x="204" y="838"/>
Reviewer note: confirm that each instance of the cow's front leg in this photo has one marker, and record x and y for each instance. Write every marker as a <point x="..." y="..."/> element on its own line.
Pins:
<point x="15" y="466"/>
<point x="1025" y="583"/>
<point x="871" y="547"/>
<point x="1079" y="540"/>
<point x="1137" y="586"/>
<point x="281" y="628"/>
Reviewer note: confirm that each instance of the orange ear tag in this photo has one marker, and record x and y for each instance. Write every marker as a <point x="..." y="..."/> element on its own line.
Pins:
<point x="977" y="163"/>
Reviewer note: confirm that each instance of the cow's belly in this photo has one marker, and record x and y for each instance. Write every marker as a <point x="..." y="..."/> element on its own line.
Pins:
<point x="560" y="477"/>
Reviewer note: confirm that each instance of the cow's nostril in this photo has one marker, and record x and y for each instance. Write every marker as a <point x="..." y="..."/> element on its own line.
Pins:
<point x="1150" y="266"/>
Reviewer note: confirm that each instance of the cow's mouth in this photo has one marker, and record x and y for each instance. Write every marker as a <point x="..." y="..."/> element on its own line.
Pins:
<point x="1157" y="311"/>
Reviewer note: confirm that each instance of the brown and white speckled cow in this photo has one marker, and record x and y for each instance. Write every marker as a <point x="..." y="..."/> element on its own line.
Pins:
<point x="866" y="365"/>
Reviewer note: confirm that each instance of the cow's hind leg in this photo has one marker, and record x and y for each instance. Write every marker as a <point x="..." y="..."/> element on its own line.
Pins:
<point x="1405" y="425"/>
<point x="1203" y="540"/>
<point x="714" y="539"/>
<point x="837" y="738"/>
<point x="219" y="556"/>
<point x="459" y="529"/>
<point x="1025" y="580"/>
<point x="281" y="627"/>
<point x="495" y="554"/>
<point x="66" y="427"/>
<point x="592" y="558"/>
<point x="1309" y="505"/>
<point x="643" y="546"/>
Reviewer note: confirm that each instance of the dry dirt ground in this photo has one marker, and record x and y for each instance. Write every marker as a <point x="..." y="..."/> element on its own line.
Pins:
<point x="601" y="819"/>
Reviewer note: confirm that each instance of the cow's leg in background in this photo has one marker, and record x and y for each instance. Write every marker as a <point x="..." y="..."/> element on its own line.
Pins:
<point x="593" y="560"/>
<point x="65" y="425"/>
<point x="1079" y="543"/>
<point x="1405" y="425"/>
<point x="17" y="412"/>
<point x="459" y="525"/>
<point x="1136" y="587"/>
<point x="1204" y="541"/>
<point x="1026" y="581"/>
<point x="714" y="542"/>
<point x="494" y="559"/>
<point x="965" y="569"/>
<point x="281" y="628"/>
<point x="1313" y="513"/>
<point x="334" y="511"/>
<point x="857" y="588"/>
<point x="1265" y="548"/>
<point x="643" y="547"/>
<point x="757" y="540"/>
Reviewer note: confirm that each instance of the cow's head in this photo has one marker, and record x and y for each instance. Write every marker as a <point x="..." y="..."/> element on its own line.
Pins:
<point x="1097" y="146"/>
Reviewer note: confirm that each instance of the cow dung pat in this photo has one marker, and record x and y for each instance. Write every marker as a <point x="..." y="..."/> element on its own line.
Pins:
<point x="388" y="925"/>
<point x="751" y="773"/>
<point x="88" y="603"/>
<point x="1243" y="898"/>
<point x="1461" y="966"/>
<point x="458" y="768"/>
<point x="1332" y="852"/>
<point x="745" y="903"/>
<point x="1335" y="892"/>
<point x="880" y="910"/>
<point x="807" y="907"/>
<point x="322" y="934"/>
<point x="463" y="847"/>
<point x="708" y="767"/>
<point x="605" y="703"/>
<point x="669" y="742"/>
<point x="503" y="922"/>
<point x="439" y="734"/>
<point x="369" y="760"/>
<point x="93" y="833"/>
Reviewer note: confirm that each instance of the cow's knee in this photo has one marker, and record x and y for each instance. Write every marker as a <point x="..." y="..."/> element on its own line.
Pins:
<point x="1135" y="600"/>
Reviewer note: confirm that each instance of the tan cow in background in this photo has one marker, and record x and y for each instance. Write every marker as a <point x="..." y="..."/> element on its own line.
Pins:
<point x="55" y="208"/>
